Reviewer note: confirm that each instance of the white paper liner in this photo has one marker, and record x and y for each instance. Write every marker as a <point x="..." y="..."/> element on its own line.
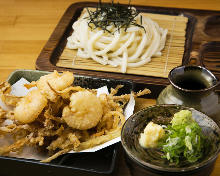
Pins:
<point x="18" y="89"/>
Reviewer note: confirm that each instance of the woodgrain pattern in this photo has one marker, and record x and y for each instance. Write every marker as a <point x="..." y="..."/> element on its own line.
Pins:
<point x="171" y="57"/>
<point x="26" y="25"/>
<point x="210" y="56"/>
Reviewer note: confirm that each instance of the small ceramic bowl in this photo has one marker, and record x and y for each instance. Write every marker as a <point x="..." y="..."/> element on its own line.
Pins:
<point x="149" y="161"/>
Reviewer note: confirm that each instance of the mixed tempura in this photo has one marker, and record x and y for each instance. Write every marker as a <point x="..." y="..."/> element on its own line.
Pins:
<point x="60" y="117"/>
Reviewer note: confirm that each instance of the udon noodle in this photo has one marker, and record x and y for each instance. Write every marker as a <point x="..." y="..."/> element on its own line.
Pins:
<point x="132" y="47"/>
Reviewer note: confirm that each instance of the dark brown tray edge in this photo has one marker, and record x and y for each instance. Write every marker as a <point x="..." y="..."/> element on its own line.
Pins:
<point x="53" y="42"/>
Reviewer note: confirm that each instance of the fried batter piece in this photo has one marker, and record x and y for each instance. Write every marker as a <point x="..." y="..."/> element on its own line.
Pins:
<point x="6" y="97"/>
<point x="50" y="83"/>
<point x="2" y="113"/>
<point x="84" y="111"/>
<point x="30" y="107"/>
<point x="59" y="117"/>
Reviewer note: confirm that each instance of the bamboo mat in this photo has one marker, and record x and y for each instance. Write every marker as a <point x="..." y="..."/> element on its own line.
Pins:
<point x="171" y="57"/>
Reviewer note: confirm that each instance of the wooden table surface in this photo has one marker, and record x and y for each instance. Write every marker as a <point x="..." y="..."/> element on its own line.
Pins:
<point x="25" y="26"/>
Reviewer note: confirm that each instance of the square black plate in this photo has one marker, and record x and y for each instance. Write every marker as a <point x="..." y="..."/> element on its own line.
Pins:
<point x="100" y="163"/>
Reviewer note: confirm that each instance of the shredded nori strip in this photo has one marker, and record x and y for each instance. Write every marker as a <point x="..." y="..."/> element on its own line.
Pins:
<point x="119" y="15"/>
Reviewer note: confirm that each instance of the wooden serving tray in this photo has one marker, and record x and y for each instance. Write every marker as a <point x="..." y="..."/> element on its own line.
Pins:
<point x="201" y="45"/>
